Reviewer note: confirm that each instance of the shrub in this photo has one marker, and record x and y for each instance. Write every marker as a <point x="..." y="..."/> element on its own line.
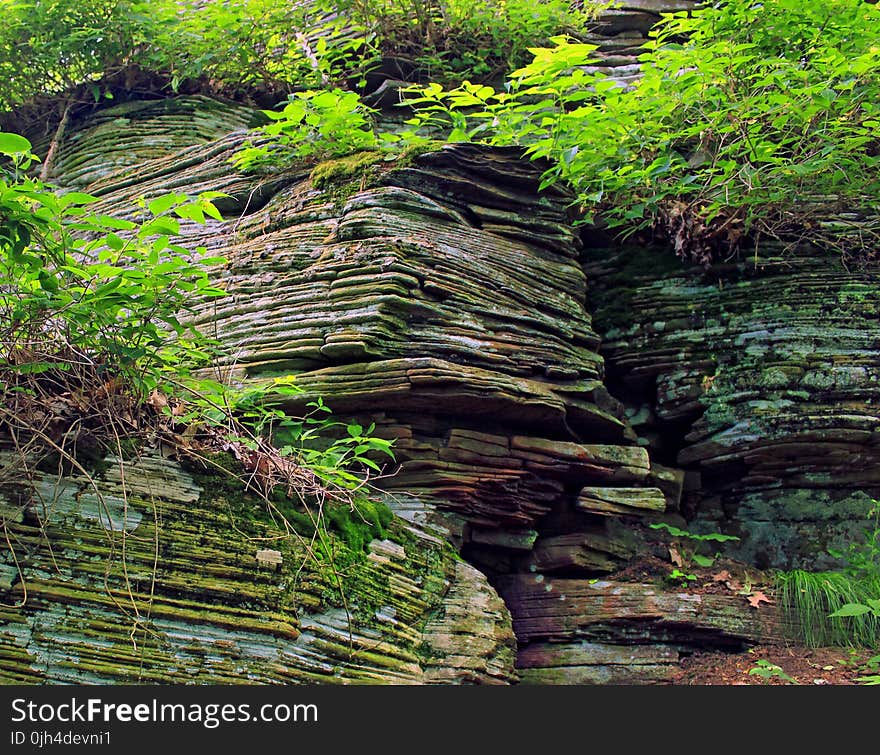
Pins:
<point x="321" y="123"/>
<point x="263" y="47"/>
<point x="748" y="116"/>
<point x="480" y="39"/>
<point x="97" y="348"/>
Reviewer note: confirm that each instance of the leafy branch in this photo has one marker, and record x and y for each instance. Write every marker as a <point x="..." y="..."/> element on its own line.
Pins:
<point x="732" y="132"/>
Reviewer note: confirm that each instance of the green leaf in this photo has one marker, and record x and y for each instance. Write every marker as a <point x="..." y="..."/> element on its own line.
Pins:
<point x="106" y="222"/>
<point x="48" y="282"/>
<point x="191" y="212"/>
<point x="850" y="609"/>
<point x="164" y="203"/>
<point x="75" y="198"/>
<point x="703" y="561"/>
<point x="159" y="227"/>
<point x="114" y="242"/>
<point x="674" y="531"/>
<point x="716" y="536"/>
<point x="355" y="431"/>
<point x="209" y="209"/>
<point x="13" y="144"/>
<point x="569" y="154"/>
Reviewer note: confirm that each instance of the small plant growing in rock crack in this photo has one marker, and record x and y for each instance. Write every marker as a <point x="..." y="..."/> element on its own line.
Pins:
<point x="767" y="670"/>
<point x="330" y="450"/>
<point x="683" y="550"/>
<point x="314" y="123"/>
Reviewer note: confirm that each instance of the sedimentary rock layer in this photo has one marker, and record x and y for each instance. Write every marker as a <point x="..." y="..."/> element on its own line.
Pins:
<point x="576" y="631"/>
<point x="759" y="378"/>
<point x="161" y="580"/>
<point x="439" y="297"/>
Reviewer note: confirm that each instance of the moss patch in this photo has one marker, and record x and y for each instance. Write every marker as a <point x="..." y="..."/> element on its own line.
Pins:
<point x="355" y="525"/>
<point x="409" y="154"/>
<point x="342" y="170"/>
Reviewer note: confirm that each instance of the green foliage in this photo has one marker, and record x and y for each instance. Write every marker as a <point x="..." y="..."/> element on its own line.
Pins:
<point x="49" y="47"/>
<point x="821" y="604"/>
<point x="245" y="45"/>
<point x="870" y="606"/>
<point x="684" y="549"/>
<point x="257" y="46"/>
<point x="862" y="558"/>
<point x="840" y="607"/>
<point x="477" y="38"/>
<point x="677" y="575"/>
<point x="274" y="44"/>
<point x="333" y="450"/>
<point x="93" y="319"/>
<point x="863" y="567"/>
<point x="322" y="123"/>
<point x="253" y="44"/>
<point x="871" y="665"/>
<point x="680" y="533"/>
<point x="747" y="116"/>
<point x="83" y="290"/>
<point x="767" y="670"/>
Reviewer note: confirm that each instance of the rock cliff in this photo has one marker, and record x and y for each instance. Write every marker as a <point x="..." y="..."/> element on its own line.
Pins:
<point x="758" y="378"/>
<point x="547" y="398"/>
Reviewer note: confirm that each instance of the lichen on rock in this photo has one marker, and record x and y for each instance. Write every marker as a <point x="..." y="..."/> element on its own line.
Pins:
<point x="761" y="384"/>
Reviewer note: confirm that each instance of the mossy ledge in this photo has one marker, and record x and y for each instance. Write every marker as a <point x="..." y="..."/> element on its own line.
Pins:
<point x="162" y="584"/>
<point x="343" y="170"/>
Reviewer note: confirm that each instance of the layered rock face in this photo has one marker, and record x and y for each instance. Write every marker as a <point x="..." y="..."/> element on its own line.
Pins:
<point x="443" y="298"/>
<point x="619" y="32"/>
<point x="174" y="577"/>
<point x="760" y="380"/>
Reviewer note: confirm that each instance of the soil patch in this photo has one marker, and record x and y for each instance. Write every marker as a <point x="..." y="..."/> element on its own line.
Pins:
<point x="795" y="664"/>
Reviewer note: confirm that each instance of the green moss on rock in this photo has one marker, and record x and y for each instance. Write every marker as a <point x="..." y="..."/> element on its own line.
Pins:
<point x="343" y="171"/>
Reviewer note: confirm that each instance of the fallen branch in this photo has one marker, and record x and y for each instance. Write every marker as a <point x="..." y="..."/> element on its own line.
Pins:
<point x="56" y="140"/>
